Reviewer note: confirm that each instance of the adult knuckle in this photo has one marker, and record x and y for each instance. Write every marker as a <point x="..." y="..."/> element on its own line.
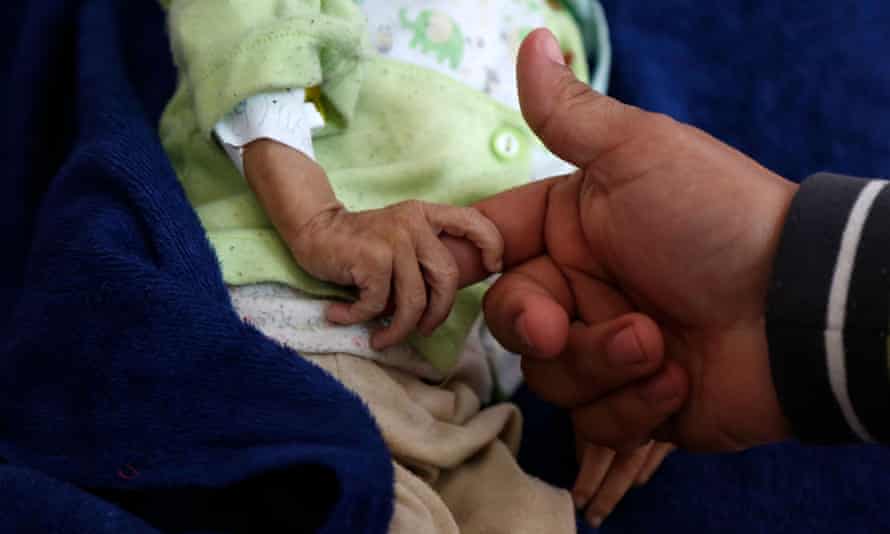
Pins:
<point x="539" y="380"/>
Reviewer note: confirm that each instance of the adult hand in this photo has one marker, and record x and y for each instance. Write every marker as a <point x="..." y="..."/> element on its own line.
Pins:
<point x="658" y="249"/>
<point x="606" y="476"/>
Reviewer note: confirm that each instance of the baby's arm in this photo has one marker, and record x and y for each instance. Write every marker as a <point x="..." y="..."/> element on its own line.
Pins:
<point x="393" y="253"/>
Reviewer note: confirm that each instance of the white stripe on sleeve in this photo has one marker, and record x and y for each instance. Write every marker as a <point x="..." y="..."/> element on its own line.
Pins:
<point x="837" y="306"/>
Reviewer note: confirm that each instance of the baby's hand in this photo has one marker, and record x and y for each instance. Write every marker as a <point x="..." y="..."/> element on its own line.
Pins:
<point x="394" y="250"/>
<point x="605" y="476"/>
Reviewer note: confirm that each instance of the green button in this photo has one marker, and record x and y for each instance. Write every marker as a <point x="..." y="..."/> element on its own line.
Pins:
<point x="506" y="143"/>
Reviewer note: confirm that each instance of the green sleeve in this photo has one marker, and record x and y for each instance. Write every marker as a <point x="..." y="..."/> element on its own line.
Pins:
<point x="566" y="31"/>
<point x="229" y="50"/>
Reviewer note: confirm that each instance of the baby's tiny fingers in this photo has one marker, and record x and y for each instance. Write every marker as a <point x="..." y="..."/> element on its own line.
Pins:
<point x="373" y="281"/>
<point x="471" y="224"/>
<point x="410" y="299"/>
<point x="441" y="274"/>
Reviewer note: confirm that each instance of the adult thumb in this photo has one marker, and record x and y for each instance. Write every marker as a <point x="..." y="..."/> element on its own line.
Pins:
<point x="574" y="121"/>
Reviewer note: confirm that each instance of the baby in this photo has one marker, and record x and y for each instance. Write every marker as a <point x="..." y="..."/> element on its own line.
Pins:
<point x="326" y="145"/>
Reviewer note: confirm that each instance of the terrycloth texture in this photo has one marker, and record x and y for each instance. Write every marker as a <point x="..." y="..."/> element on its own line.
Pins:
<point x="818" y="69"/>
<point x="801" y="86"/>
<point x="124" y="371"/>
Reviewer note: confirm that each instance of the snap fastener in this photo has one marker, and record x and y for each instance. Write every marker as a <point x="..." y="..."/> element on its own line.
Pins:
<point x="506" y="144"/>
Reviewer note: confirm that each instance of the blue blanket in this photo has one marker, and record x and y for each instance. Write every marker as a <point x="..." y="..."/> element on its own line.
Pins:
<point x="134" y="401"/>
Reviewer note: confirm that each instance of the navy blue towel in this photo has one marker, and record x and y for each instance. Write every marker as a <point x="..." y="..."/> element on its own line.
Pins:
<point x="133" y="400"/>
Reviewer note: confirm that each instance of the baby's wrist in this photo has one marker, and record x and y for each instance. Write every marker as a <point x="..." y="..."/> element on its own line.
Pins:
<point x="311" y="227"/>
<point x="268" y="159"/>
<point x="294" y="189"/>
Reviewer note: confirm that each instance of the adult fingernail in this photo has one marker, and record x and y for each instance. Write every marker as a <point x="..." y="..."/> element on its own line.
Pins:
<point x="552" y="50"/>
<point x="595" y="521"/>
<point x="579" y="500"/>
<point x="661" y="390"/>
<point x="521" y="328"/>
<point x="624" y="349"/>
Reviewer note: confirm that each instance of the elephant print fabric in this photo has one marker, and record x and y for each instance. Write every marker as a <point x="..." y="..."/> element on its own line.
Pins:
<point x="435" y="31"/>
<point x="473" y="41"/>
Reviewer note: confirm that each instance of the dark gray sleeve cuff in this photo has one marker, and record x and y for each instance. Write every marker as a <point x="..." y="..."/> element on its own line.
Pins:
<point x="828" y="311"/>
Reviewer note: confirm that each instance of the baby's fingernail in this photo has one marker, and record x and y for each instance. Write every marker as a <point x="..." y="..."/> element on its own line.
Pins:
<point x="595" y="521"/>
<point x="332" y="315"/>
<point x="624" y="349"/>
<point x="552" y="50"/>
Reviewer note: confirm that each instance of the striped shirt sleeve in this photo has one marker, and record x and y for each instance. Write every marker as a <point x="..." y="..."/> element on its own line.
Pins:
<point x="828" y="311"/>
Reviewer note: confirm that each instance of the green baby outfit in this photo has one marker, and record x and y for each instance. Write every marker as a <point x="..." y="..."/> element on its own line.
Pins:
<point x="394" y="130"/>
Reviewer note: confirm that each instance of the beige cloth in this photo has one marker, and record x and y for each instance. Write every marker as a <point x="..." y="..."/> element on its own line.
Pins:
<point x="455" y="469"/>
